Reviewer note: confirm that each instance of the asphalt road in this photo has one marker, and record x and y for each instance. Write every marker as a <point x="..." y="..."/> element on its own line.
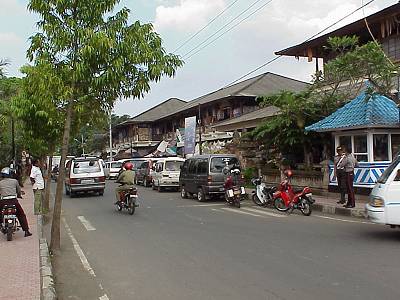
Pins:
<point x="174" y="248"/>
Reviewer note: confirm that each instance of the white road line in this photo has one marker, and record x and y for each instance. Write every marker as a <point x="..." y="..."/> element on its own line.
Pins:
<point x="264" y="212"/>
<point x="78" y="250"/>
<point x="238" y="211"/>
<point x="200" y="205"/>
<point x="86" y="223"/>
<point x="104" y="297"/>
<point x="343" y="220"/>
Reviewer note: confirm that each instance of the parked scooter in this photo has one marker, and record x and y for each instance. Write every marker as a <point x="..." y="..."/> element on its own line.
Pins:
<point x="8" y="215"/>
<point x="263" y="195"/>
<point x="287" y="199"/>
<point x="128" y="201"/>
<point x="234" y="191"/>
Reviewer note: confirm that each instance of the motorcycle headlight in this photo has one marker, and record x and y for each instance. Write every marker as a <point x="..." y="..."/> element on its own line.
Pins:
<point x="376" y="201"/>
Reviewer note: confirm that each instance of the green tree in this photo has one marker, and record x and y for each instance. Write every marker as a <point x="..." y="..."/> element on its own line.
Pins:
<point x="100" y="58"/>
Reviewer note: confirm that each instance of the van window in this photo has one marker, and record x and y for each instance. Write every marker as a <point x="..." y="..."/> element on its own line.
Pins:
<point x="159" y="167"/>
<point x="116" y="165"/>
<point x="185" y="166"/>
<point x="202" y="166"/>
<point x="86" y="166"/>
<point x="389" y="171"/>
<point x="219" y="163"/>
<point x="192" y="167"/>
<point x="173" y="165"/>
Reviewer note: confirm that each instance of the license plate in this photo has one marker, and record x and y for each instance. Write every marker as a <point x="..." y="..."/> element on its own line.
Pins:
<point x="237" y="193"/>
<point x="133" y="196"/>
<point x="309" y="195"/>
<point x="230" y="193"/>
<point x="87" y="181"/>
<point x="10" y="217"/>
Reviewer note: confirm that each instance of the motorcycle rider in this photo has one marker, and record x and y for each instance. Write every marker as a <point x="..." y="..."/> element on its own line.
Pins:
<point x="10" y="187"/>
<point x="126" y="179"/>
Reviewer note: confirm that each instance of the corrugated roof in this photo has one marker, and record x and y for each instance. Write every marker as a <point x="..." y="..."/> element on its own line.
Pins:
<point x="356" y="28"/>
<point x="258" y="114"/>
<point x="364" y="111"/>
<point x="153" y="114"/>
<point x="261" y="85"/>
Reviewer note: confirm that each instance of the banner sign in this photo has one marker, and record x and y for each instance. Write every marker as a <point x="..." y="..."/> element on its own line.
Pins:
<point x="190" y="135"/>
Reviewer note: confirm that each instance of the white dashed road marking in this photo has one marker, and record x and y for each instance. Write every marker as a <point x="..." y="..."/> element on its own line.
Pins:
<point x="238" y="211"/>
<point x="86" y="223"/>
<point x="200" y="205"/>
<point x="258" y="211"/>
<point x="344" y="220"/>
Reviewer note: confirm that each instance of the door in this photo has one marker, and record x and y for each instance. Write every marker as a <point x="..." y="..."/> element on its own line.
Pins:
<point x="392" y="199"/>
<point x="201" y="177"/>
<point x="190" y="177"/>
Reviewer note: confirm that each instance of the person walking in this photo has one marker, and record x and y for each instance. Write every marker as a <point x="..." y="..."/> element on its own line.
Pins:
<point x="37" y="186"/>
<point x="350" y="163"/>
<point x="340" y="173"/>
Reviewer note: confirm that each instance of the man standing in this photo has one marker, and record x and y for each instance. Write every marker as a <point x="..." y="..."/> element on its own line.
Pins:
<point x="340" y="173"/>
<point x="38" y="186"/>
<point x="351" y="163"/>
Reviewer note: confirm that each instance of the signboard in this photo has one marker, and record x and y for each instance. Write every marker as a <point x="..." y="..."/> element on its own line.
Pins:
<point x="190" y="135"/>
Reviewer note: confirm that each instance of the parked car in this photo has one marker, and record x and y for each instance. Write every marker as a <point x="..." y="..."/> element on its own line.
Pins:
<point x="166" y="174"/>
<point x="203" y="175"/>
<point x="135" y="161"/>
<point x="144" y="173"/>
<point x="85" y="174"/>
<point x="112" y="169"/>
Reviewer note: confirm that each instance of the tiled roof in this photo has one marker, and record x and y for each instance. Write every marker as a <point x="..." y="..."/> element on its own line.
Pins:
<point x="364" y="111"/>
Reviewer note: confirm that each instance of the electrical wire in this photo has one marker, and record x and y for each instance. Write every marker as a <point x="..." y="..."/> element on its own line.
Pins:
<point x="310" y="38"/>
<point x="230" y="29"/>
<point x="203" y="28"/>
<point x="222" y="28"/>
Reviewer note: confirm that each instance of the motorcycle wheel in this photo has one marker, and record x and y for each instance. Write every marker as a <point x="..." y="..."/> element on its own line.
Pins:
<point x="131" y="207"/>
<point x="256" y="200"/>
<point x="237" y="202"/>
<point x="280" y="205"/>
<point x="305" y="208"/>
<point x="118" y="206"/>
<point x="9" y="233"/>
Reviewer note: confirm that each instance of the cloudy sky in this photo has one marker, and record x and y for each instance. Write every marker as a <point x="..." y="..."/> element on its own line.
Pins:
<point x="266" y="26"/>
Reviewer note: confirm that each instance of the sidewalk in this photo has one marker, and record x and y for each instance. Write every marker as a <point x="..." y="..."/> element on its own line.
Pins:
<point x="19" y="259"/>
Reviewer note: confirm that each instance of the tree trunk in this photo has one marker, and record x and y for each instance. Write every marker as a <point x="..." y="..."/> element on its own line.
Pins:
<point x="46" y="204"/>
<point x="56" y="223"/>
<point x="307" y="155"/>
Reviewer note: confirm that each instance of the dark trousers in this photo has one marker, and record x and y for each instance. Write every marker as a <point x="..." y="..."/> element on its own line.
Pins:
<point x="342" y="184"/>
<point x="350" y="189"/>
<point x="20" y="212"/>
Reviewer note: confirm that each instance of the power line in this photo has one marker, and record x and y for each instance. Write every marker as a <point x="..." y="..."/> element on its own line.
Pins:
<point x="208" y="24"/>
<point x="310" y="38"/>
<point x="230" y="29"/>
<point x="222" y="28"/>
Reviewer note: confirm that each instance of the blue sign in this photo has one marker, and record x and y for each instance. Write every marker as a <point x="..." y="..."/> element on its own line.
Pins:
<point x="190" y="135"/>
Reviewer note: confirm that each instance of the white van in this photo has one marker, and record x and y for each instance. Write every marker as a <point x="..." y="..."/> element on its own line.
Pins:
<point x="166" y="173"/>
<point x="384" y="205"/>
<point x="112" y="169"/>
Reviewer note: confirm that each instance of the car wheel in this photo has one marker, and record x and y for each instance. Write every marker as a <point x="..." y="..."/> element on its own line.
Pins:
<point x="145" y="184"/>
<point x="101" y="193"/>
<point x="66" y="190"/>
<point x="200" y="195"/>
<point x="184" y="195"/>
<point x="153" y="186"/>
<point x="159" y="188"/>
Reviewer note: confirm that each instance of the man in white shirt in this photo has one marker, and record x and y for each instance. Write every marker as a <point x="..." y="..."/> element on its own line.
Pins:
<point x="38" y="186"/>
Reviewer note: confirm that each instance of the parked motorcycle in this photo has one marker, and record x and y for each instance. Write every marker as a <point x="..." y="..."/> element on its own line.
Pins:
<point x="288" y="199"/>
<point x="9" y="223"/>
<point x="263" y="195"/>
<point x="234" y="191"/>
<point x="128" y="201"/>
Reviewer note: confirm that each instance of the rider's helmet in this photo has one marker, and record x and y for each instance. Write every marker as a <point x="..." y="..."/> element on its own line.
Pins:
<point x="288" y="173"/>
<point x="6" y="172"/>
<point x="128" y="166"/>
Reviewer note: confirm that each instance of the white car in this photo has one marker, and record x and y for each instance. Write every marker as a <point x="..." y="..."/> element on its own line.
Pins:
<point x="166" y="173"/>
<point x="112" y="169"/>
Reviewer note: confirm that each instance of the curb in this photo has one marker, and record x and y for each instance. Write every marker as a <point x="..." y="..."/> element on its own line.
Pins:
<point x="333" y="210"/>
<point x="47" y="289"/>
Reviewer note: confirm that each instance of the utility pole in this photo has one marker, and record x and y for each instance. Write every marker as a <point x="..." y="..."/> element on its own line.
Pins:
<point x="83" y="146"/>
<point x="110" y="128"/>
<point x="199" y="123"/>
<point x="14" y="152"/>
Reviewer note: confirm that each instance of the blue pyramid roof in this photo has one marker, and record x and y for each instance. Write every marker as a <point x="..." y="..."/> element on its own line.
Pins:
<point x="363" y="111"/>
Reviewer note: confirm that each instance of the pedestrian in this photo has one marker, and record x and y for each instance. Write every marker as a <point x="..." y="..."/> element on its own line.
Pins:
<point x="340" y="173"/>
<point x="351" y="163"/>
<point x="37" y="186"/>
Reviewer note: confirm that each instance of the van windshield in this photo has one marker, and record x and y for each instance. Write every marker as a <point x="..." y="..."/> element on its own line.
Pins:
<point x="389" y="171"/>
<point x="173" y="165"/>
<point x="219" y="163"/>
<point x="86" y="166"/>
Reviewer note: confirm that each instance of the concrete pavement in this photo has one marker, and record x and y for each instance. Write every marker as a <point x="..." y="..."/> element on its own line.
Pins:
<point x="19" y="259"/>
<point x="176" y="248"/>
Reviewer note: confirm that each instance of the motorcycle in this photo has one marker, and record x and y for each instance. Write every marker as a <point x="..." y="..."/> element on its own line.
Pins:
<point x="234" y="192"/>
<point x="263" y="195"/>
<point x="288" y="199"/>
<point x="128" y="201"/>
<point x="9" y="223"/>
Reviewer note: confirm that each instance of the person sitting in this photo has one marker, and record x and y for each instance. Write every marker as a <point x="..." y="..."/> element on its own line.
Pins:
<point x="10" y="187"/>
<point x="126" y="179"/>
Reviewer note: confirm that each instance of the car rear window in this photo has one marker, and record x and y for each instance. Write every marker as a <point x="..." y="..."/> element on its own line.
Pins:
<point x="86" y="166"/>
<point x="116" y="165"/>
<point x="219" y="163"/>
<point x="173" y="165"/>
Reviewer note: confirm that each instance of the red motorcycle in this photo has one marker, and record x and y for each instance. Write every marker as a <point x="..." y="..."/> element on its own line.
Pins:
<point x="287" y="199"/>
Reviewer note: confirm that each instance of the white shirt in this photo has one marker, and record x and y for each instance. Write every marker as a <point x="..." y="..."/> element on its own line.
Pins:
<point x="37" y="175"/>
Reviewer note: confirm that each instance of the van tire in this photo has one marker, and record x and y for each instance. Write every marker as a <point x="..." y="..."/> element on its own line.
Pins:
<point x="66" y="191"/>
<point x="159" y="188"/>
<point x="200" y="195"/>
<point x="101" y="193"/>
<point x="145" y="184"/>
<point x="184" y="194"/>
<point x="153" y="186"/>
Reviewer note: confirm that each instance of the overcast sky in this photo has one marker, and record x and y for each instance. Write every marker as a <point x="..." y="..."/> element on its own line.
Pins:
<point x="276" y="25"/>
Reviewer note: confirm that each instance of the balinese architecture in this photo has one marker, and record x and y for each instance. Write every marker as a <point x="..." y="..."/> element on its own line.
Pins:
<point x="369" y="127"/>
